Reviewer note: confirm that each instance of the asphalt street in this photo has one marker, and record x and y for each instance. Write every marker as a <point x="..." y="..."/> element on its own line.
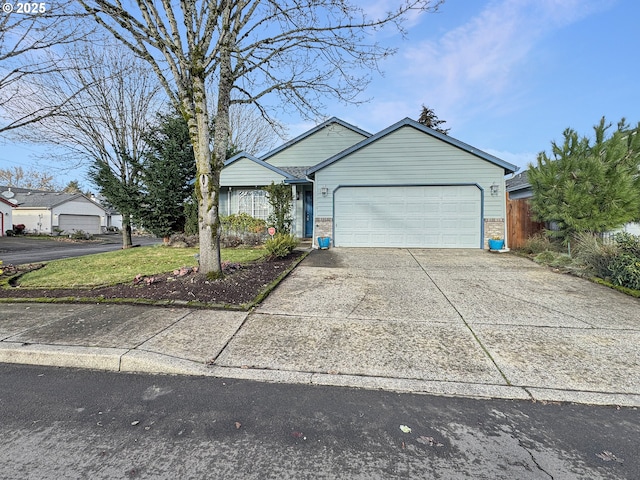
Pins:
<point x="19" y="250"/>
<point x="67" y="423"/>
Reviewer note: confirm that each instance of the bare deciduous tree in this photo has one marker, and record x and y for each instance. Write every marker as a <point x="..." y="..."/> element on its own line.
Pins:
<point x="250" y="132"/>
<point x="28" y="44"/>
<point x="252" y="50"/>
<point x="31" y="178"/>
<point x="104" y="123"/>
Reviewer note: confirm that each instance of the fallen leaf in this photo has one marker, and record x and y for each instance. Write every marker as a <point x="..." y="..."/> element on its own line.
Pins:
<point x="609" y="457"/>
<point x="405" y="429"/>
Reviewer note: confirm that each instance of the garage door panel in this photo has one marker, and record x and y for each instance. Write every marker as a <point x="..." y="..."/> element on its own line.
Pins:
<point x="75" y="223"/>
<point x="421" y="216"/>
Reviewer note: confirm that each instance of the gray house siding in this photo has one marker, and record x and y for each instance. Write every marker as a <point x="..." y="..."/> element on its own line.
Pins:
<point x="246" y="173"/>
<point x="317" y="147"/>
<point x="410" y="156"/>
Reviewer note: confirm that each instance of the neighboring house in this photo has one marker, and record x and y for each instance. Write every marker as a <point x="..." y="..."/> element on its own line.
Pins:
<point x="518" y="187"/>
<point x="42" y="211"/>
<point x="406" y="186"/>
<point x="6" y="210"/>
<point x="114" y="218"/>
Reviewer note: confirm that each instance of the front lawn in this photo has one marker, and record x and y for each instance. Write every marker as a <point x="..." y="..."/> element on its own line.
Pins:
<point x="122" y="266"/>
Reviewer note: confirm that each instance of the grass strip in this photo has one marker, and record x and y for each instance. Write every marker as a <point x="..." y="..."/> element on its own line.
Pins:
<point x="121" y="266"/>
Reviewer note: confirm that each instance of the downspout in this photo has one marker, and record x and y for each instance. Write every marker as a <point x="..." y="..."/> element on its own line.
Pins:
<point x="313" y="193"/>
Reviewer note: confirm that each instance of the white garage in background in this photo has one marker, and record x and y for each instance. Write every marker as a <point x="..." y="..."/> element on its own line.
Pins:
<point x="426" y="216"/>
<point x="86" y="223"/>
<point x="44" y="212"/>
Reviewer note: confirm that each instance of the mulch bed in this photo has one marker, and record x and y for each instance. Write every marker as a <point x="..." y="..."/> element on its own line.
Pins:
<point x="239" y="287"/>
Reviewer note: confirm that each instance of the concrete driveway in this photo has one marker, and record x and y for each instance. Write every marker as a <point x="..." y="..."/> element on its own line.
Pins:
<point x="446" y="321"/>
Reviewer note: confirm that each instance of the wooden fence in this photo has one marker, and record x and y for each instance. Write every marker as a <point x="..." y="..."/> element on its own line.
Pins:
<point x="520" y="226"/>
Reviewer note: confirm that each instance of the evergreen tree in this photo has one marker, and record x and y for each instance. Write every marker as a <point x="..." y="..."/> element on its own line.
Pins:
<point x="168" y="170"/>
<point x="585" y="186"/>
<point x="121" y="190"/>
<point x="428" y="118"/>
<point x="72" y="187"/>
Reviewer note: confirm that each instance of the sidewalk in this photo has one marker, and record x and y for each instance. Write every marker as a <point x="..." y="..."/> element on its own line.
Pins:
<point x="345" y="318"/>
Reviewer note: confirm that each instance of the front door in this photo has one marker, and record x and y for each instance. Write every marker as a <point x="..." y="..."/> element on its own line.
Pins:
<point x="308" y="213"/>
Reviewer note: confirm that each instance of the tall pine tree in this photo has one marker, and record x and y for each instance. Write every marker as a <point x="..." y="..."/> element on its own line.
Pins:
<point x="588" y="186"/>
<point x="428" y="118"/>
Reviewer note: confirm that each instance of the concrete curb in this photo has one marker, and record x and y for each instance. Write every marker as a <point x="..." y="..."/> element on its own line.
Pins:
<point x="140" y="361"/>
<point x="96" y="358"/>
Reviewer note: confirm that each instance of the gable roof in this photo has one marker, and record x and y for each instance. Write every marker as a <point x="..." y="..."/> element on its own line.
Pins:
<point x="262" y="163"/>
<point x="508" y="168"/>
<point x="7" y="201"/>
<point x="47" y="200"/>
<point x="315" y="129"/>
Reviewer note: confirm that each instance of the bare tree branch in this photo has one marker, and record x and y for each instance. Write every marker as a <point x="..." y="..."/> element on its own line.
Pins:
<point x="28" y="50"/>
<point x="104" y="123"/>
<point x="289" y="52"/>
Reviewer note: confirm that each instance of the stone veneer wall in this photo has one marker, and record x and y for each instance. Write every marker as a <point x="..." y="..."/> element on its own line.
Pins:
<point x="493" y="226"/>
<point x="324" y="228"/>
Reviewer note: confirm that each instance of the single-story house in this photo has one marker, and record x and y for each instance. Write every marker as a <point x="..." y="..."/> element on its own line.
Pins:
<point x="6" y="210"/>
<point x="405" y="186"/>
<point x="518" y="187"/>
<point x="44" y="212"/>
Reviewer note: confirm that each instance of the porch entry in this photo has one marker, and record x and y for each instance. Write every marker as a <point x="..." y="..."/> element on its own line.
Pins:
<point x="308" y="213"/>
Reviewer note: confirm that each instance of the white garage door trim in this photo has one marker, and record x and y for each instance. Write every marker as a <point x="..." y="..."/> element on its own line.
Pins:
<point x="381" y="232"/>
<point x="87" y="223"/>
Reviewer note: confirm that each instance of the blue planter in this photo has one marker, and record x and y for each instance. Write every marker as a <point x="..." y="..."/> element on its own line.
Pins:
<point x="496" y="244"/>
<point x="324" y="242"/>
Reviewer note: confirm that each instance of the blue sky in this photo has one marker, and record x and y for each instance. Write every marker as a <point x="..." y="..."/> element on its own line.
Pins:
<point x="508" y="76"/>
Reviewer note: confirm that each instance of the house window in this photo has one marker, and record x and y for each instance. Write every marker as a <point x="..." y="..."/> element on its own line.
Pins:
<point x="254" y="203"/>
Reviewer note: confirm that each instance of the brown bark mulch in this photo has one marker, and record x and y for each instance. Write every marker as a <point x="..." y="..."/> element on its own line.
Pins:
<point x="240" y="287"/>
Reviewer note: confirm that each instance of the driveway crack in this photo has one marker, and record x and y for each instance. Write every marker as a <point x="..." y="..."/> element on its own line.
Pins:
<point x="475" y="336"/>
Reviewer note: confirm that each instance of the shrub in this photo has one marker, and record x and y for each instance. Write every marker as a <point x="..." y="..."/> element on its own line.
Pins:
<point x="80" y="235"/>
<point x="628" y="243"/>
<point x="183" y="240"/>
<point x="537" y="243"/>
<point x="280" y="245"/>
<point x="545" y="257"/>
<point x="230" y="241"/>
<point x="625" y="271"/>
<point x="243" y="223"/>
<point x="281" y="200"/>
<point x="590" y="251"/>
<point x="242" y="229"/>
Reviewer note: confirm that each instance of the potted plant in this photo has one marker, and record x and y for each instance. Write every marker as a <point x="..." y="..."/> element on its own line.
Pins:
<point x="496" y="243"/>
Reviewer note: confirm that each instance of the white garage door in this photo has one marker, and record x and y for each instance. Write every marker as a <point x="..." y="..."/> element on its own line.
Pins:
<point x="405" y="216"/>
<point x="86" y="223"/>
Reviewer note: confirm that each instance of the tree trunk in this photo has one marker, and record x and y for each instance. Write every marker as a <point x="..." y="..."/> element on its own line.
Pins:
<point x="126" y="232"/>
<point x="207" y="185"/>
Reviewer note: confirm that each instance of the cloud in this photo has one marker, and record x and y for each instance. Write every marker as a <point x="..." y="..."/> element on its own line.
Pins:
<point x="479" y="64"/>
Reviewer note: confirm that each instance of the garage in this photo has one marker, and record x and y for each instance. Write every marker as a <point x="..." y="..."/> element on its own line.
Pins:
<point x="87" y="223"/>
<point x="419" y="216"/>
